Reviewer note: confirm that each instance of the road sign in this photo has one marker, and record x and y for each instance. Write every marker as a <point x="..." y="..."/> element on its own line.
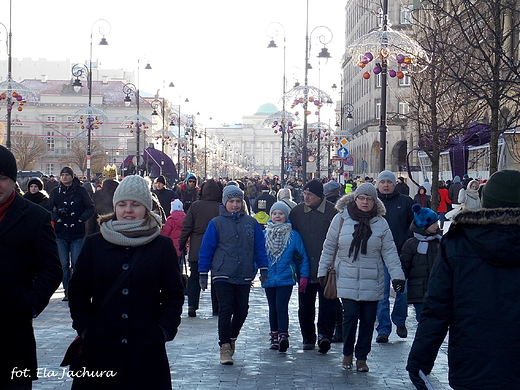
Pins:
<point x="349" y="160"/>
<point x="289" y="168"/>
<point x="343" y="152"/>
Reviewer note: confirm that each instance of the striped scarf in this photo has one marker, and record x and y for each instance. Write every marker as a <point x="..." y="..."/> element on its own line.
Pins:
<point x="276" y="238"/>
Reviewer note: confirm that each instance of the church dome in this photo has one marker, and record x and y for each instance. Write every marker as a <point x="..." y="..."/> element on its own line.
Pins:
<point x="266" y="109"/>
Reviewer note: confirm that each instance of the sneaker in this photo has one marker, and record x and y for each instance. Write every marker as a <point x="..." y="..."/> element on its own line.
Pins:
<point x="323" y="345"/>
<point x="382" y="338"/>
<point x="274" y="340"/>
<point x="226" y="355"/>
<point x="402" y="332"/>
<point x="308" y="347"/>
<point x="191" y="312"/>
<point x="283" y="342"/>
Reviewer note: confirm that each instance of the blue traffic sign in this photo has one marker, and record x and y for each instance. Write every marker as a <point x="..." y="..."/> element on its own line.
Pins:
<point x="349" y="160"/>
<point x="342" y="152"/>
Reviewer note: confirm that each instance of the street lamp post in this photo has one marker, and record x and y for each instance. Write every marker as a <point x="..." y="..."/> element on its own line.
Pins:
<point x="78" y="71"/>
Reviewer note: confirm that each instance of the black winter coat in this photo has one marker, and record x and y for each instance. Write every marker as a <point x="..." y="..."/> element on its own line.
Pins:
<point x="417" y="266"/>
<point x="198" y="216"/>
<point x="73" y="207"/>
<point x="399" y="216"/>
<point x="128" y="335"/>
<point x="473" y="294"/>
<point x="30" y="272"/>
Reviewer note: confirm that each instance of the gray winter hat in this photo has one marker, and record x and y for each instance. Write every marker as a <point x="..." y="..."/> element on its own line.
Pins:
<point x="331" y="187"/>
<point x="282" y="206"/>
<point x="366" y="189"/>
<point x="386" y="175"/>
<point x="134" y="188"/>
<point x="231" y="191"/>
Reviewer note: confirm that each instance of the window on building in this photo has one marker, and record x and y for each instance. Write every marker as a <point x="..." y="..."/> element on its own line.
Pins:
<point x="406" y="14"/>
<point x="404" y="109"/>
<point x="378" y="80"/>
<point x="50" y="140"/>
<point x="49" y="169"/>
<point x="380" y="17"/>
<point x="405" y="81"/>
<point x="69" y="140"/>
<point x="50" y="118"/>
<point x="69" y="118"/>
<point x="378" y="110"/>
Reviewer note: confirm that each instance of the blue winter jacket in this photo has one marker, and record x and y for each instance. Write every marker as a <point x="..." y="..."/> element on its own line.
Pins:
<point x="286" y="270"/>
<point x="233" y="248"/>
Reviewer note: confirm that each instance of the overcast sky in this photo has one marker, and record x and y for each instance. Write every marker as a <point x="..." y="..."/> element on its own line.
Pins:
<point x="215" y="52"/>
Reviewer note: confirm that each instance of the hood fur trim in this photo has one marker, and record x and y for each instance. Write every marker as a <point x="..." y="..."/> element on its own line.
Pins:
<point x="341" y="204"/>
<point x="499" y="216"/>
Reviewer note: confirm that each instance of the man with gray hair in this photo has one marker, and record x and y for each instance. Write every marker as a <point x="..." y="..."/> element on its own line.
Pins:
<point x="399" y="215"/>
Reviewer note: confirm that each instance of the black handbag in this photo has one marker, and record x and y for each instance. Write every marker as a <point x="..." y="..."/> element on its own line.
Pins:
<point x="74" y="351"/>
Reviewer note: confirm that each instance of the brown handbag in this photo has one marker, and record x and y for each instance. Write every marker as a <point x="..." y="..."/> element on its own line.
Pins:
<point x="330" y="290"/>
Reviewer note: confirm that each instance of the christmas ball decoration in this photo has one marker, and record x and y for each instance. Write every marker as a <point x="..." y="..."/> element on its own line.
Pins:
<point x="366" y="75"/>
<point x="392" y="73"/>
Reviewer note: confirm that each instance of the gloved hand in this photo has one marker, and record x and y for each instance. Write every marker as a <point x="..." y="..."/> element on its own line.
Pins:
<point x="263" y="277"/>
<point x="398" y="285"/>
<point x="182" y="249"/>
<point x="303" y="284"/>
<point x="322" y="281"/>
<point x="203" y="280"/>
<point x="417" y="381"/>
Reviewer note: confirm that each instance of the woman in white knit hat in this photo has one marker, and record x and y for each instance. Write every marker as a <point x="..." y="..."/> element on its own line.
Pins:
<point x="126" y="296"/>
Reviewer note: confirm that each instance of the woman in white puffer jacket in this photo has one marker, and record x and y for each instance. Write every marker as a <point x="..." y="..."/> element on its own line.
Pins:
<point x="364" y="241"/>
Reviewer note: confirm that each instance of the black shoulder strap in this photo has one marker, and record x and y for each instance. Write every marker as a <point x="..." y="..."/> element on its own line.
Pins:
<point x="121" y="277"/>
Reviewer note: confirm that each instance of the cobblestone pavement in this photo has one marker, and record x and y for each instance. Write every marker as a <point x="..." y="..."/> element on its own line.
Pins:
<point x="194" y="358"/>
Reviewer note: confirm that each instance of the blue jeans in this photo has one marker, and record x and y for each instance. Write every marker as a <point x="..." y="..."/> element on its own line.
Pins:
<point x="441" y="219"/>
<point x="68" y="252"/>
<point x="278" y="301"/>
<point x="233" y="302"/>
<point x="399" y="312"/>
<point x="363" y="312"/>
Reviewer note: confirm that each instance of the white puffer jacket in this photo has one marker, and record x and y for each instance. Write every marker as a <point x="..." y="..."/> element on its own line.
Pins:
<point x="363" y="279"/>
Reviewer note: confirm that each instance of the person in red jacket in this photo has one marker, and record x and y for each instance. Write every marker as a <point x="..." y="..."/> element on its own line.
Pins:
<point x="444" y="200"/>
<point x="173" y="226"/>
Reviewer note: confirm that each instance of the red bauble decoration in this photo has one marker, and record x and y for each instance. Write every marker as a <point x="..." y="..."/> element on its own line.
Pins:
<point x="366" y="75"/>
<point x="400" y="75"/>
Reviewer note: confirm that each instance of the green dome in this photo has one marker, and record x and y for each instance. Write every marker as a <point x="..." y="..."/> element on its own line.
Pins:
<point x="266" y="109"/>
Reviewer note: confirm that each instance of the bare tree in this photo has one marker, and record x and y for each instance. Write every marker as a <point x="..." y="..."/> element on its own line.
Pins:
<point x="27" y="149"/>
<point x="78" y="150"/>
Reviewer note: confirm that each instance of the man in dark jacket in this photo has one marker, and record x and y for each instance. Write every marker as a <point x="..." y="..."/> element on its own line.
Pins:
<point x="312" y="219"/>
<point x="71" y="207"/>
<point x="399" y="216"/>
<point x="193" y="228"/>
<point x="453" y="190"/>
<point x="164" y="195"/>
<point x="188" y="192"/>
<point x="30" y="272"/>
<point x="473" y="294"/>
<point x="262" y="206"/>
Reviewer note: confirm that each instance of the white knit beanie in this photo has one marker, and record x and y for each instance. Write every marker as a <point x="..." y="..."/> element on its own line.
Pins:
<point x="134" y="188"/>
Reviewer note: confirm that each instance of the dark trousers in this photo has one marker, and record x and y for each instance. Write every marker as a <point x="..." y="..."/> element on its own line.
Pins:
<point x="307" y="314"/>
<point x="363" y="312"/>
<point x="278" y="301"/>
<point x="233" y="300"/>
<point x="193" y="290"/>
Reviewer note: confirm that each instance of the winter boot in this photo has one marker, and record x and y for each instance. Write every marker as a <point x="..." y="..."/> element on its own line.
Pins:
<point x="226" y="355"/>
<point x="283" y="342"/>
<point x="274" y="340"/>
<point x="347" y="362"/>
<point x="338" y="334"/>
<point x="361" y="366"/>
<point x="233" y="340"/>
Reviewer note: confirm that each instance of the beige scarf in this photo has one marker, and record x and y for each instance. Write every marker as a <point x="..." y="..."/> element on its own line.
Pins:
<point x="131" y="233"/>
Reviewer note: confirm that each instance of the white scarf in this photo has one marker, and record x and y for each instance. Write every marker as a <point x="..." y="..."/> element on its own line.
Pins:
<point x="131" y="233"/>
<point x="472" y="193"/>
<point x="422" y="247"/>
<point x="276" y="238"/>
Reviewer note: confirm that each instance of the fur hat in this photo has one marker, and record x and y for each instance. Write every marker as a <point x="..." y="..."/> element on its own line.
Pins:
<point x="423" y="216"/>
<point x="37" y="181"/>
<point x="282" y="207"/>
<point x="161" y="179"/>
<point x="231" y="192"/>
<point x="502" y="190"/>
<point x="176" y="205"/>
<point x="315" y="187"/>
<point x="67" y="170"/>
<point x="386" y="175"/>
<point x="135" y="188"/>
<point x="366" y="189"/>
<point x="7" y="164"/>
<point x="331" y="187"/>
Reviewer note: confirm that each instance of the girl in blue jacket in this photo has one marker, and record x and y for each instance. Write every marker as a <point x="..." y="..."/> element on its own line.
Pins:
<point x="282" y="242"/>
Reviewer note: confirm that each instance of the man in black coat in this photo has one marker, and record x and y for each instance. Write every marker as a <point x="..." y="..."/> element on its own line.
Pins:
<point x="399" y="216"/>
<point x="71" y="207"/>
<point x="164" y="195"/>
<point x="30" y="272"/>
<point x="473" y="294"/>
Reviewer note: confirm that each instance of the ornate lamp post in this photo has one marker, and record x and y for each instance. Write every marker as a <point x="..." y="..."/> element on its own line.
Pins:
<point x="79" y="70"/>
<point x="11" y="91"/>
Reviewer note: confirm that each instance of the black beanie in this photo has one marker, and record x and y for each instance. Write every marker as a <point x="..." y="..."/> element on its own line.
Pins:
<point x="37" y="181"/>
<point x="315" y="187"/>
<point x="502" y="190"/>
<point x="161" y="179"/>
<point x="67" y="170"/>
<point x="7" y="163"/>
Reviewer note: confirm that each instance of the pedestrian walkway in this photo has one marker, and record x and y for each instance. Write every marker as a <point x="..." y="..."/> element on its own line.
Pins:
<point x="194" y="357"/>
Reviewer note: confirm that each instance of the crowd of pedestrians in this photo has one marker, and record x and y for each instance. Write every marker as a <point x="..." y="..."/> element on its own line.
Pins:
<point x="120" y="253"/>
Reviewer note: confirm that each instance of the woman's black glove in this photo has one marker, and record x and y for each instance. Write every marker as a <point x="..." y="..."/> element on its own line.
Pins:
<point x="398" y="285"/>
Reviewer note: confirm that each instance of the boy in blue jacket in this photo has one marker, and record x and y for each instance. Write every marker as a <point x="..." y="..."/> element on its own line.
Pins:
<point x="233" y="248"/>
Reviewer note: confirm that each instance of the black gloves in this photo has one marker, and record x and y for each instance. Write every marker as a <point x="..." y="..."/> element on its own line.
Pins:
<point x="203" y="280"/>
<point x="263" y="277"/>
<point x="322" y="281"/>
<point x="398" y="285"/>
<point x="417" y="381"/>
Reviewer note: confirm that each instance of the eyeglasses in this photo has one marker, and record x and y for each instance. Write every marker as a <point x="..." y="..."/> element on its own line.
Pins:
<point x="365" y="199"/>
<point x="191" y="181"/>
